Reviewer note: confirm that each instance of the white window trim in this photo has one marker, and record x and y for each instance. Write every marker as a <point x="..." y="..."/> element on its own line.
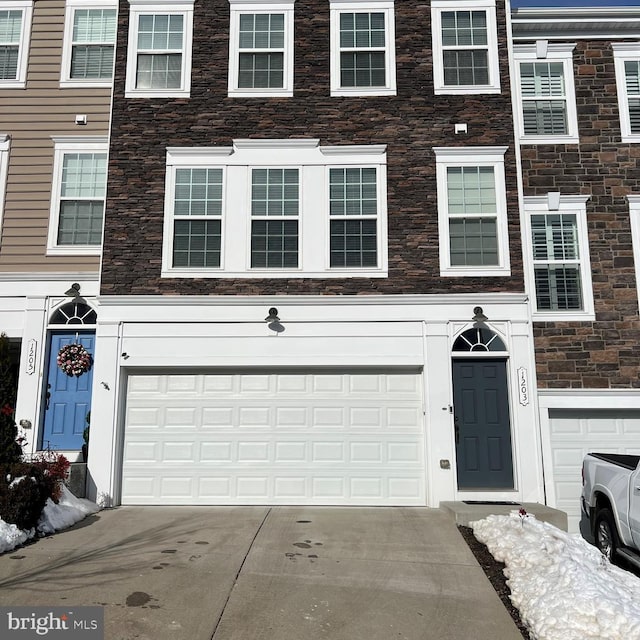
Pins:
<point x="65" y="70"/>
<point x="472" y="157"/>
<point x="313" y="162"/>
<point x="634" y="218"/>
<point x="258" y="6"/>
<point x="623" y="51"/>
<point x="62" y="146"/>
<point x="362" y="6"/>
<point x="554" y="202"/>
<point x="153" y="7"/>
<point x="5" y="145"/>
<point x="26" y="6"/>
<point x="540" y="52"/>
<point x="489" y="6"/>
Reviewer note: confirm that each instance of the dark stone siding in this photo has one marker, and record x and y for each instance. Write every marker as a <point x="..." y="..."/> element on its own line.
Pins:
<point x="603" y="353"/>
<point x="410" y="123"/>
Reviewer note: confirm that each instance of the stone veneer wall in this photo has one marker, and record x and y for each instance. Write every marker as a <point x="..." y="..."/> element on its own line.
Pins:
<point x="604" y="353"/>
<point x="410" y="123"/>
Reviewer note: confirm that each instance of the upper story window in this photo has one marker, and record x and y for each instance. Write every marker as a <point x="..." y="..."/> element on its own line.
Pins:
<point x="261" y="49"/>
<point x="546" y="93"/>
<point x="558" y="267"/>
<point x="89" y="43"/>
<point x="77" y="196"/>
<point x="276" y="209"/>
<point x="627" y="63"/>
<point x="15" y="25"/>
<point x="159" y="51"/>
<point x="472" y="211"/>
<point x="363" y="60"/>
<point x="465" y="47"/>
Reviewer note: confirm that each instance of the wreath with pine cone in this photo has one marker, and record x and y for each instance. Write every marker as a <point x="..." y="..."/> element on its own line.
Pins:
<point x="74" y="359"/>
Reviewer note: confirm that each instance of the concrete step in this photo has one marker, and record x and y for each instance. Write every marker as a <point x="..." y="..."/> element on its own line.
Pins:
<point x="464" y="513"/>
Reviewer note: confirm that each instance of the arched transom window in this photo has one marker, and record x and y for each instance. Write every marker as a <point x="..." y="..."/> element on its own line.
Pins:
<point x="74" y="313"/>
<point x="479" y="339"/>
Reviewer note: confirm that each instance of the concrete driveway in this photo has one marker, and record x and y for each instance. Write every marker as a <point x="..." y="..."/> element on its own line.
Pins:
<point x="249" y="573"/>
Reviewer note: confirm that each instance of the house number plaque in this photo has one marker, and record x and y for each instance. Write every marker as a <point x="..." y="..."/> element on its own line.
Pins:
<point x="32" y="350"/>
<point x="523" y="386"/>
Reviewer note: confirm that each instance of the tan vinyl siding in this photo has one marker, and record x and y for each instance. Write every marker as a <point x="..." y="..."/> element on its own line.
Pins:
<point x="31" y="117"/>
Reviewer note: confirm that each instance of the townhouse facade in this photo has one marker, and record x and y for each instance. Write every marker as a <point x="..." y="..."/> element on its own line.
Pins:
<point x="312" y="289"/>
<point x="577" y="122"/>
<point x="55" y="97"/>
<point x="354" y="253"/>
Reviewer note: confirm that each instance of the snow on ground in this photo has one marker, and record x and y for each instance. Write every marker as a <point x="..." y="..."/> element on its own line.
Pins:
<point x="54" y="517"/>
<point x="562" y="585"/>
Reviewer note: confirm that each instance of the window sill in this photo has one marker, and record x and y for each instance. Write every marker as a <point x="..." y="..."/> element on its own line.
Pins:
<point x="467" y="90"/>
<point x="85" y="84"/>
<point x="549" y="140"/>
<point x="74" y="251"/>
<point x="362" y="92"/>
<point x="567" y="316"/>
<point x="477" y="272"/>
<point x="258" y="274"/>
<point x="260" y="93"/>
<point x="157" y="94"/>
<point x="635" y="138"/>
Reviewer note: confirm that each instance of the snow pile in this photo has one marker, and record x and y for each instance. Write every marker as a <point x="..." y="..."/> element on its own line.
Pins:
<point x="67" y="512"/>
<point x="54" y="517"/>
<point x="562" y="586"/>
<point x="11" y="536"/>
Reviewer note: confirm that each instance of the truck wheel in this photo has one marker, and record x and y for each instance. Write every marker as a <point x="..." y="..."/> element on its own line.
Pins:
<point x="606" y="534"/>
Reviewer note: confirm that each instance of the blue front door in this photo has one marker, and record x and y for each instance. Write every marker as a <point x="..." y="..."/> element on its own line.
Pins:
<point x="67" y="398"/>
<point x="482" y="424"/>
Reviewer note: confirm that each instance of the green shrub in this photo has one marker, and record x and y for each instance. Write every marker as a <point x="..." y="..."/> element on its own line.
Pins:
<point x="21" y="503"/>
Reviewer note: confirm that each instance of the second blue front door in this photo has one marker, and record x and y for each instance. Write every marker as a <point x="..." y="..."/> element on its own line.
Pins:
<point x="67" y="400"/>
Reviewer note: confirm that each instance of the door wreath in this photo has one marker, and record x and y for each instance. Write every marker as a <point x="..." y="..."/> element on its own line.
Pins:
<point x="74" y="359"/>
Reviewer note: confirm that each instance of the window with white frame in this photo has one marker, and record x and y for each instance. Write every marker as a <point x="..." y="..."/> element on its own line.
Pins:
<point x="558" y="266"/>
<point x="546" y="93"/>
<point x="78" y="195"/>
<point x="634" y="215"/>
<point x="275" y="208"/>
<point x="472" y="211"/>
<point x="89" y="43"/>
<point x="261" y="49"/>
<point x="465" y="47"/>
<point x="363" y="59"/>
<point x="15" y="26"/>
<point x="627" y="63"/>
<point x="159" y="50"/>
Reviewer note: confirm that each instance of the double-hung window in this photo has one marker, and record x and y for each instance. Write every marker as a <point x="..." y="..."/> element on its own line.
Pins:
<point x="558" y="264"/>
<point x="15" y="25"/>
<point x="78" y="195"/>
<point x="546" y="93"/>
<point x="159" y="50"/>
<point x="465" y="47"/>
<point x="261" y="49"/>
<point x="627" y="64"/>
<point x="363" y="60"/>
<point x="89" y="43"/>
<point x="276" y="209"/>
<point x="472" y="211"/>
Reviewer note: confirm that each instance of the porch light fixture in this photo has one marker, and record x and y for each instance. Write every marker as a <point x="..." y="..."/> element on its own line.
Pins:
<point x="478" y="315"/>
<point x="273" y="315"/>
<point x="73" y="291"/>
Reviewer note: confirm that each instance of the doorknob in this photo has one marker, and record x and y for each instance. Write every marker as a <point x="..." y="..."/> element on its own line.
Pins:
<point x="47" y="397"/>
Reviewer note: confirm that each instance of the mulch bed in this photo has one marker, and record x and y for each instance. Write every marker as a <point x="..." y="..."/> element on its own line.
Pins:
<point x="493" y="570"/>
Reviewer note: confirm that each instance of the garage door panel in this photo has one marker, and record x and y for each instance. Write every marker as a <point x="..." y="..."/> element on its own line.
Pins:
<point x="576" y="432"/>
<point x="335" y="438"/>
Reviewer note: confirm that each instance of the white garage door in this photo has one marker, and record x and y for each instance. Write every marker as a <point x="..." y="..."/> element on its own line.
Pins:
<point x="275" y="438"/>
<point x="576" y="432"/>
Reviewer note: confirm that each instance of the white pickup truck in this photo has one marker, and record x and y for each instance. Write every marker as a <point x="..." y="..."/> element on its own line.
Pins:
<point x="611" y="500"/>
